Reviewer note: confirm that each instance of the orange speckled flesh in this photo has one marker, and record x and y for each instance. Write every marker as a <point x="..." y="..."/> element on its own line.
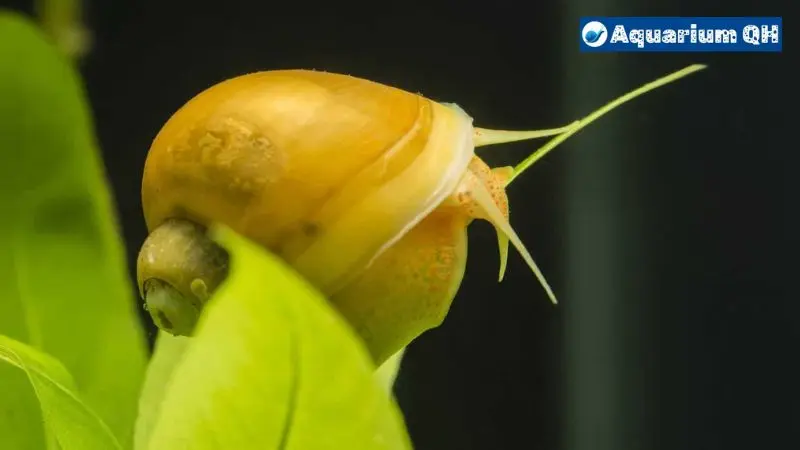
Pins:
<point x="410" y="287"/>
<point x="323" y="169"/>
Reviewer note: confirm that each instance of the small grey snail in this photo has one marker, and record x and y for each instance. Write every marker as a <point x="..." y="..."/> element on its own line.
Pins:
<point x="364" y="189"/>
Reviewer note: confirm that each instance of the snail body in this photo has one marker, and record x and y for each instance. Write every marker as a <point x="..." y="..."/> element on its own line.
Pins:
<point x="366" y="190"/>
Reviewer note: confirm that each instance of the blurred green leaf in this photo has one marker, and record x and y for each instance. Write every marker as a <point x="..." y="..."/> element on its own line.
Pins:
<point x="64" y="287"/>
<point x="61" y="19"/>
<point x="273" y="366"/>
<point x="74" y="425"/>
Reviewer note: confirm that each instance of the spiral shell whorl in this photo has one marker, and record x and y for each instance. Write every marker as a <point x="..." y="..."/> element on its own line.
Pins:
<point x="178" y="268"/>
<point x="301" y="162"/>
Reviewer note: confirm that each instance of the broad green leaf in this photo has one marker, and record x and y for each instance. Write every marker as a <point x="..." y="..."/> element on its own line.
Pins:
<point x="64" y="287"/>
<point x="73" y="424"/>
<point x="167" y="354"/>
<point x="273" y="366"/>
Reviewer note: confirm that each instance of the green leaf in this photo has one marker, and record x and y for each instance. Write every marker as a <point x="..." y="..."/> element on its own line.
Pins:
<point x="167" y="353"/>
<point x="74" y="425"/>
<point x="64" y="287"/>
<point x="61" y="19"/>
<point x="273" y="366"/>
<point x="387" y="372"/>
<point x="166" y="356"/>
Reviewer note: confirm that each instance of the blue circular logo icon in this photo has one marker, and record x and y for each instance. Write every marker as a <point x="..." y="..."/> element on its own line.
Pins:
<point x="594" y="34"/>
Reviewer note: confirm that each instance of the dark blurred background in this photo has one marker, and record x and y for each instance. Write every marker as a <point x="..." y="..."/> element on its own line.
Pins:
<point x="663" y="228"/>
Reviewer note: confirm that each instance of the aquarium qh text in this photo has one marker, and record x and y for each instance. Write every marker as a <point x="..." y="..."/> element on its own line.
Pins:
<point x="680" y="34"/>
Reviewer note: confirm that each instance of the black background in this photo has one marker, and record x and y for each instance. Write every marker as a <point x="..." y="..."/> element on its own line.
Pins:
<point x="663" y="228"/>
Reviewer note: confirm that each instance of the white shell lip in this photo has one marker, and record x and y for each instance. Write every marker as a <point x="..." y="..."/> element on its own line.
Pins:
<point x="398" y="205"/>
<point x="450" y="179"/>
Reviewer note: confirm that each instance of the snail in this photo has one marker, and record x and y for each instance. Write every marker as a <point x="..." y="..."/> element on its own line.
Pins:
<point x="366" y="190"/>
